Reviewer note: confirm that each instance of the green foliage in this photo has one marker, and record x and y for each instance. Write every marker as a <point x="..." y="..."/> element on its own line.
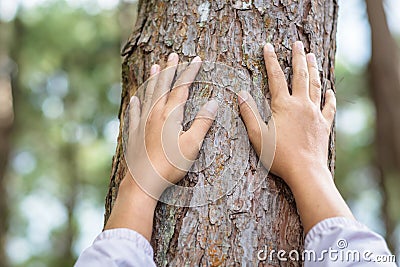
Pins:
<point x="356" y="174"/>
<point x="355" y="128"/>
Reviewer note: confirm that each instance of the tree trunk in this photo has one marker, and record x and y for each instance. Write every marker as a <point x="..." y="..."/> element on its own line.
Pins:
<point x="231" y="230"/>
<point x="384" y="75"/>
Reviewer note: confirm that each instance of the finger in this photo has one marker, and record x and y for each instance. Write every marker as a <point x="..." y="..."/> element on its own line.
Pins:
<point x="180" y="92"/>
<point x="154" y="72"/>
<point x="193" y="138"/>
<point x="181" y="68"/>
<point x="134" y="113"/>
<point x="276" y="77"/>
<point x="165" y="80"/>
<point x="300" y="71"/>
<point x="315" y="81"/>
<point x="252" y="119"/>
<point x="329" y="109"/>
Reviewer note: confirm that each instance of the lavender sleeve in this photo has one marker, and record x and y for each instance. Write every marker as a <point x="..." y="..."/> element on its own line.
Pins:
<point x="332" y="242"/>
<point x="345" y="242"/>
<point x="118" y="247"/>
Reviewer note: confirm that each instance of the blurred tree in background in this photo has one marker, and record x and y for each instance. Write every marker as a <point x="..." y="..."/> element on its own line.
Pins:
<point x="62" y="57"/>
<point x="384" y="77"/>
<point x="66" y="93"/>
<point x="368" y="144"/>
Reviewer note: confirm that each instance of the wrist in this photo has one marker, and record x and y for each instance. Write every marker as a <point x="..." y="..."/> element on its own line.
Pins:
<point x="312" y="181"/>
<point x="315" y="173"/>
<point x="316" y="195"/>
<point x="133" y="209"/>
<point x="131" y="191"/>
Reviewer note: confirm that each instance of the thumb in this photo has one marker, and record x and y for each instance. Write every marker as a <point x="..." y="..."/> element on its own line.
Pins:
<point x="252" y="119"/>
<point x="134" y="113"/>
<point x="329" y="109"/>
<point x="193" y="138"/>
<point x="262" y="136"/>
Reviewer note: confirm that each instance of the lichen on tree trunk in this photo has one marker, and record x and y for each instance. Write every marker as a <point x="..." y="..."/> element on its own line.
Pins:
<point x="231" y="230"/>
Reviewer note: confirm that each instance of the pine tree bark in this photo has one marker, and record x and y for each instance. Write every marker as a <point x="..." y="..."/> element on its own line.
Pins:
<point x="232" y="230"/>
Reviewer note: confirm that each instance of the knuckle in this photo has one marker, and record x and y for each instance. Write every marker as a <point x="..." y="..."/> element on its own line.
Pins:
<point x="148" y="97"/>
<point x="316" y="83"/>
<point x="178" y="83"/>
<point x="301" y="74"/>
<point x="300" y="52"/>
<point x="328" y="128"/>
<point x="333" y="108"/>
<point x="245" y="108"/>
<point x="203" y="121"/>
<point x="331" y="105"/>
<point x="275" y="106"/>
<point x="310" y="110"/>
<point x="285" y="103"/>
<point x="181" y="82"/>
<point x="271" y="56"/>
<point x="179" y="91"/>
<point x="191" y="138"/>
<point x="333" y="97"/>
<point x="277" y="102"/>
<point x="305" y="107"/>
<point x="330" y="111"/>
<point x="276" y="74"/>
<point x="313" y="67"/>
<point x="254" y="130"/>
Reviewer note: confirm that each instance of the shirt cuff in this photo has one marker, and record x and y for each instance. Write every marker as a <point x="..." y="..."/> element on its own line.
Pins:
<point x="126" y="234"/>
<point x="325" y="225"/>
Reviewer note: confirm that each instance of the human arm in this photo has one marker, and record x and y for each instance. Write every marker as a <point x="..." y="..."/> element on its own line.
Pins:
<point x="153" y="165"/>
<point x="302" y="128"/>
<point x="159" y="153"/>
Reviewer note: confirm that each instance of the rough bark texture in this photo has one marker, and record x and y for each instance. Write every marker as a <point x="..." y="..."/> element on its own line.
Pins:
<point x="232" y="230"/>
<point x="384" y="74"/>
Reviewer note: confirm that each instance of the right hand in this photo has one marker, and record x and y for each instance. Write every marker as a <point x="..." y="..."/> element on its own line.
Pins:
<point x="302" y="129"/>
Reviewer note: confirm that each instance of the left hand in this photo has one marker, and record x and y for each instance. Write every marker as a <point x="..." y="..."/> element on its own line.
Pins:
<point x="159" y="153"/>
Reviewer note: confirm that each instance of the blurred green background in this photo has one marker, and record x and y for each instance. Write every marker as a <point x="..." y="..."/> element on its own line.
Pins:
<point x="62" y="59"/>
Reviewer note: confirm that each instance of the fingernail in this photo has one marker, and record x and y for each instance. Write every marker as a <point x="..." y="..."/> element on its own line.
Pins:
<point x="311" y="58"/>
<point x="196" y="59"/>
<point x="134" y="101"/>
<point x="172" y="56"/>
<point x="330" y="91"/>
<point x="299" y="45"/>
<point x="212" y="106"/>
<point x="243" y="96"/>
<point x="153" y="69"/>
<point x="269" y="47"/>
